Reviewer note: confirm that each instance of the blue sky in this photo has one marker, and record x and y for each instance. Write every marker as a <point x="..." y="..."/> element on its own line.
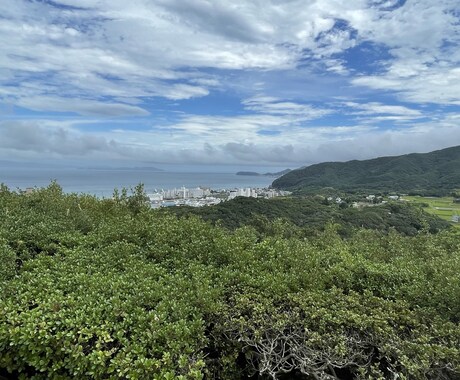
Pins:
<point x="247" y="83"/>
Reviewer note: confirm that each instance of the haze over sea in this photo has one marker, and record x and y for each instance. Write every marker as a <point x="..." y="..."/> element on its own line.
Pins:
<point x="102" y="182"/>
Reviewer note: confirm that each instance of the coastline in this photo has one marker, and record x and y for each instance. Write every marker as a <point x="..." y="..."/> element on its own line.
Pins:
<point x="102" y="183"/>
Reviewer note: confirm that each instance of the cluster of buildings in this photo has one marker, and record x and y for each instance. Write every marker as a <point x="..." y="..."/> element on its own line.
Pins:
<point x="204" y="196"/>
<point x="365" y="201"/>
<point x="181" y="193"/>
<point x="258" y="193"/>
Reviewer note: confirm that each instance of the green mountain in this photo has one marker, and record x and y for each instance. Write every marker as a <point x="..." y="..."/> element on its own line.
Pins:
<point x="434" y="173"/>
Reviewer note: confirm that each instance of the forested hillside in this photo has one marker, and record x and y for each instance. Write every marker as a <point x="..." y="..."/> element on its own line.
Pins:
<point x="435" y="173"/>
<point x="308" y="215"/>
<point x="110" y="289"/>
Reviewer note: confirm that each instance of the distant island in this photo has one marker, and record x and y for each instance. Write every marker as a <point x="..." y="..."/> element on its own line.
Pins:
<point x="255" y="174"/>
<point x="435" y="173"/>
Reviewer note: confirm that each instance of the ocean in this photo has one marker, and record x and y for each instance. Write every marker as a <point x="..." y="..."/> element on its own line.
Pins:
<point x="102" y="182"/>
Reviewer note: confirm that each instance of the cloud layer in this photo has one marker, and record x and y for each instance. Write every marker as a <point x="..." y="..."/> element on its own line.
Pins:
<point x="249" y="82"/>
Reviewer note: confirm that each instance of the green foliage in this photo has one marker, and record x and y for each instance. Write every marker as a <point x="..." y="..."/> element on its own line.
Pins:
<point x="436" y="174"/>
<point x="136" y="201"/>
<point x="97" y="289"/>
<point x="305" y="216"/>
<point x="8" y="262"/>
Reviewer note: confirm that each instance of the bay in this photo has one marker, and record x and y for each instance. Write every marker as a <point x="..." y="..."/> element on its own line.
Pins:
<point x="102" y="182"/>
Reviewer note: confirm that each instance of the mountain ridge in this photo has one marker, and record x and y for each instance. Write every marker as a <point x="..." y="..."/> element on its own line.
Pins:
<point x="433" y="173"/>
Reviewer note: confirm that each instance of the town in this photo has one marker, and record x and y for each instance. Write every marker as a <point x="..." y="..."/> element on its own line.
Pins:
<point x="204" y="196"/>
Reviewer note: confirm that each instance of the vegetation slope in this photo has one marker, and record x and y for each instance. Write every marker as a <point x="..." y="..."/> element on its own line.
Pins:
<point x="435" y="173"/>
<point x="110" y="289"/>
<point x="308" y="215"/>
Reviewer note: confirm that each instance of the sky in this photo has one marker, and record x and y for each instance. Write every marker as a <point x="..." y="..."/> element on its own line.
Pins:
<point x="273" y="83"/>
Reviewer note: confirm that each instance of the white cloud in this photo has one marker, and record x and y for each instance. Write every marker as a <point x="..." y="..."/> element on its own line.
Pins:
<point x="80" y="106"/>
<point x="275" y="106"/>
<point x="221" y="140"/>
<point x="437" y="84"/>
<point x="423" y="38"/>
<point x="42" y="138"/>
<point x="374" y="108"/>
<point x="116" y="48"/>
<point x="111" y="57"/>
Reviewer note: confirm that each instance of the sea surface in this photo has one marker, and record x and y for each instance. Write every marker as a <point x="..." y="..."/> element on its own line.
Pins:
<point x="102" y="182"/>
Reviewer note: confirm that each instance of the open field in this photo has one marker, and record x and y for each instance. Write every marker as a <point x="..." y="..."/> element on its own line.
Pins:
<point x="444" y="207"/>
